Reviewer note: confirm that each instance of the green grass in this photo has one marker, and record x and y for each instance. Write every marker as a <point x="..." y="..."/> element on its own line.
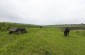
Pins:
<point x="44" y="41"/>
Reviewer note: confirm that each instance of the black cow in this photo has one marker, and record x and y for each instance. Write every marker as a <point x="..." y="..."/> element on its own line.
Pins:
<point x="40" y="26"/>
<point x="17" y="30"/>
<point x="66" y="31"/>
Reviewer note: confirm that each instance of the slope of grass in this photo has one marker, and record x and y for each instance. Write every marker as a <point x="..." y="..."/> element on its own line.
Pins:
<point x="44" y="41"/>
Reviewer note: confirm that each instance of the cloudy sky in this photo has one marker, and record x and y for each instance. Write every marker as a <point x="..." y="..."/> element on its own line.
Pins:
<point x="43" y="12"/>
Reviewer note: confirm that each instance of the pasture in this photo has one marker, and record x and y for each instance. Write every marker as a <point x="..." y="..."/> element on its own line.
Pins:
<point x="43" y="41"/>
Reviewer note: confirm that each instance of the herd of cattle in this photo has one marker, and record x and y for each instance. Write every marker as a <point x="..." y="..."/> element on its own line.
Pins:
<point x="23" y="30"/>
<point x="17" y="30"/>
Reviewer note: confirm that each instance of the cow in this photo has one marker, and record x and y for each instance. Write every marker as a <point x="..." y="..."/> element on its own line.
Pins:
<point x="17" y="30"/>
<point x="40" y="26"/>
<point x="66" y="31"/>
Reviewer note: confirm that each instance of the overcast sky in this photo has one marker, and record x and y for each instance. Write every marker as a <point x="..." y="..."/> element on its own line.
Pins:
<point x="43" y="12"/>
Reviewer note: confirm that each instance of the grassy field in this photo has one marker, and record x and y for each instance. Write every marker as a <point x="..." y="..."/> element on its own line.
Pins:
<point x="44" y="41"/>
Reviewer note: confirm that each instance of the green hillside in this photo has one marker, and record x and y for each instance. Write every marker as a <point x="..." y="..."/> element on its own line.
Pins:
<point x="43" y="41"/>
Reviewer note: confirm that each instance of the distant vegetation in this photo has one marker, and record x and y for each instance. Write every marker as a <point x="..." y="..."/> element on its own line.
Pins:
<point x="6" y="25"/>
<point x="71" y="26"/>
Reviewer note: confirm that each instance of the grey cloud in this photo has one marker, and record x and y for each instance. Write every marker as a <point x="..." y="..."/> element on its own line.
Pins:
<point x="43" y="12"/>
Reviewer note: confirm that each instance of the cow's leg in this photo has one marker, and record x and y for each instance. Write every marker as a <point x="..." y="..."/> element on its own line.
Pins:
<point x="19" y="32"/>
<point x="10" y="32"/>
<point x="68" y="33"/>
<point x="65" y="34"/>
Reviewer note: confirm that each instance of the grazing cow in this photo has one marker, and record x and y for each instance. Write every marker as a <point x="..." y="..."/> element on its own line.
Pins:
<point x="40" y="26"/>
<point x="66" y="31"/>
<point x="17" y="30"/>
